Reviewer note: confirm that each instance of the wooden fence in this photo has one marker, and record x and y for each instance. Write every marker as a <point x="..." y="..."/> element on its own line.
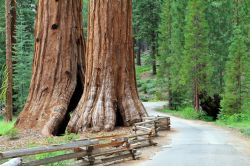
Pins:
<point x="153" y="125"/>
<point x="102" y="150"/>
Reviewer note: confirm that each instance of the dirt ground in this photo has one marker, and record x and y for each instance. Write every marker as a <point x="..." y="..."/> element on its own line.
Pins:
<point x="147" y="153"/>
<point x="26" y="139"/>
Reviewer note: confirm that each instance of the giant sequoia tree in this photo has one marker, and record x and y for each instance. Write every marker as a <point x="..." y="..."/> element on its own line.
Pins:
<point x="58" y="66"/>
<point x="110" y="96"/>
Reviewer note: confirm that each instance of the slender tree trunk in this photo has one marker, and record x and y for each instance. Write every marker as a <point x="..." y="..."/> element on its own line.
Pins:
<point x="9" y="100"/>
<point x="58" y="67"/>
<point x="13" y="21"/>
<point x="154" y="72"/>
<point x="110" y="96"/>
<point x="138" y="56"/>
<point x="154" y="52"/>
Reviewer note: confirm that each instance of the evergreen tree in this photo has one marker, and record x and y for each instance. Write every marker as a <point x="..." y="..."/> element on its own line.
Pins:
<point x="196" y="67"/>
<point x="237" y="82"/>
<point x="219" y="16"/>
<point x="164" y="40"/>
<point x="2" y="39"/>
<point x="178" y="95"/>
<point x="171" y="46"/>
<point x="146" y="20"/>
<point x="23" y="50"/>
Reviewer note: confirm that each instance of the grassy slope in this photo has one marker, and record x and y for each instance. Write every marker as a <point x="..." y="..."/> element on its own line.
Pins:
<point x="239" y="122"/>
<point x="189" y="113"/>
<point x="146" y="83"/>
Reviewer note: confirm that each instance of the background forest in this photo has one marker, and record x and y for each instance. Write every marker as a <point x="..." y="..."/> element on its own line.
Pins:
<point x="192" y="53"/>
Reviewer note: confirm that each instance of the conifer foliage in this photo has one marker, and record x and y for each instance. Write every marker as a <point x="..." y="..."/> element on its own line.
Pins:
<point x="237" y="82"/>
<point x="23" y="52"/>
<point x="196" y="68"/>
<point x="2" y="53"/>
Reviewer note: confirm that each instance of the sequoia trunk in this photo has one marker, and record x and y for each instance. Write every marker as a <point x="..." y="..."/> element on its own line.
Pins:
<point x="110" y="96"/>
<point x="58" y="67"/>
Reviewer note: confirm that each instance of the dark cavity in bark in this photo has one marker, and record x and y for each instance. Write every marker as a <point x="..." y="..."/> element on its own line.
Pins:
<point x="72" y="106"/>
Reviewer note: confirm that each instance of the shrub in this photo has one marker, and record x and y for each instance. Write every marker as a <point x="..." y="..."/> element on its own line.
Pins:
<point x="5" y="126"/>
<point x="190" y="113"/>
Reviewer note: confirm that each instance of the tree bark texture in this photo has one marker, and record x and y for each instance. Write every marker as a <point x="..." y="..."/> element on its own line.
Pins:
<point x="110" y="96"/>
<point x="9" y="100"/>
<point x="58" y="66"/>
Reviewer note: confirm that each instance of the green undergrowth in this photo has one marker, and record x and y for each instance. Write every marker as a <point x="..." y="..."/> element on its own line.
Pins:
<point x="189" y="113"/>
<point x="68" y="137"/>
<point x="7" y="128"/>
<point x="55" y="140"/>
<point x="146" y="83"/>
<point x="53" y="154"/>
<point x="240" y="122"/>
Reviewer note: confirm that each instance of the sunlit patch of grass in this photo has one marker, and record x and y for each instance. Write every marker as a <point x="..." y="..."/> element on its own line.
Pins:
<point x="189" y="113"/>
<point x="236" y="121"/>
<point x="5" y="127"/>
<point x="68" y="137"/>
<point x="142" y="69"/>
<point x="52" y="154"/>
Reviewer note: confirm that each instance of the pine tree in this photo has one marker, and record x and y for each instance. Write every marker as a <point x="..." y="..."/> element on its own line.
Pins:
<point x="2" y="27"/>
<point x="196" y="67"/>
<point x="178" y="95"/>
<point x="2" y="40"/>
<point x="219" y="15"/>
<point x="171" y="42"/>
<point x="164" y="40"/>
<point x="22" y="57"/>
<point x="146" y="19"/>
<point x="237" y="82"/>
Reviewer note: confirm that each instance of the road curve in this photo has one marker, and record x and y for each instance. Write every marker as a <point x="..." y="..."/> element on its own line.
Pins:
<point x="196" y="143"/>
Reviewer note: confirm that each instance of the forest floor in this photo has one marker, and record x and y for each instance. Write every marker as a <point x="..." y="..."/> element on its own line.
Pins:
<point x="27" y="139"/>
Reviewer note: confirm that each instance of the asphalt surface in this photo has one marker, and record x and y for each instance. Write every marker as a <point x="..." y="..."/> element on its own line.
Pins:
<point x="196" y="143"/>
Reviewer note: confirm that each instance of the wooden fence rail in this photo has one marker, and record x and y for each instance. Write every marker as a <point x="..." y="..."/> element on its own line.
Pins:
<point x="104" y="150"/>
<point x="152" y="124"/>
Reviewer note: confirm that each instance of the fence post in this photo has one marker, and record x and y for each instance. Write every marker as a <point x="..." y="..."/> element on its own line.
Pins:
<point x="89" y="154"/>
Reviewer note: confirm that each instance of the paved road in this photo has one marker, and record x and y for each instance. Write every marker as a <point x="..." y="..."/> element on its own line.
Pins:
<point x="195" y="143"/>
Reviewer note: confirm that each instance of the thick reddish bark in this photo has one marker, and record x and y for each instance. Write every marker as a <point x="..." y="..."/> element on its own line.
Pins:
<point x="9" y="100"/>
<point x="58" y="66"/>
<point x="110" y="96"/>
